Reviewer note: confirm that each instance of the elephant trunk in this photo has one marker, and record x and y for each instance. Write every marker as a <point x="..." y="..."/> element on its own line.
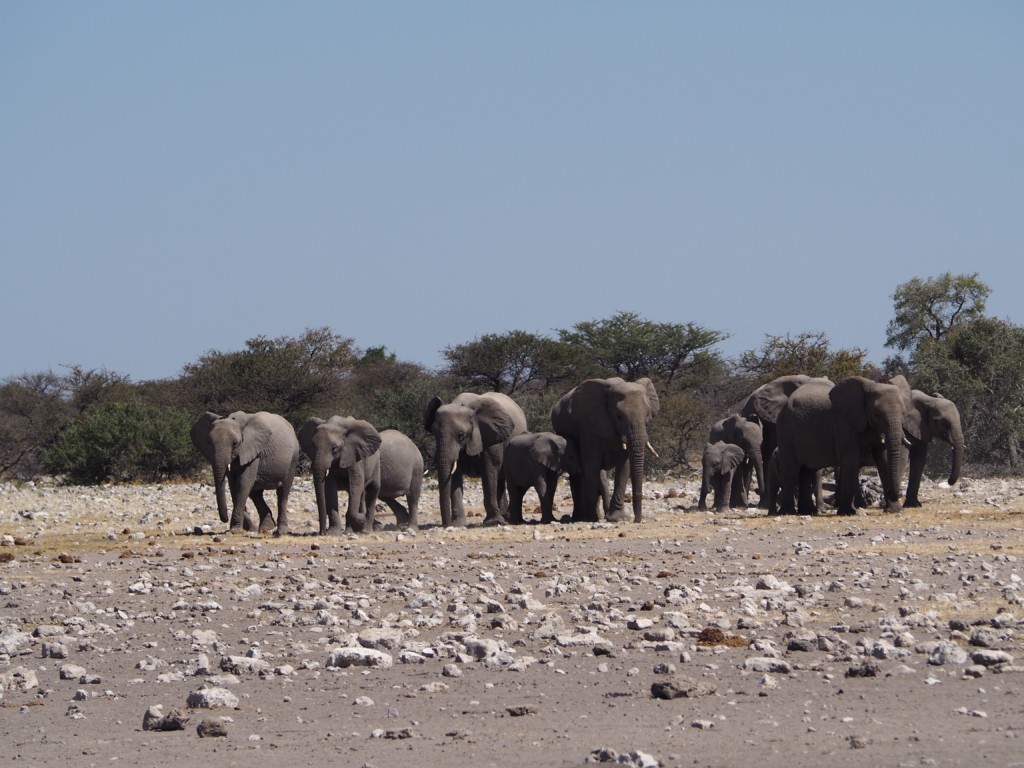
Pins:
<point x="758" y="461"/>
<point x="637" y="447"/>
<point x="956" y="439"/>
<point x="894" y="454"/>
<point x="320" y="470"/>
<point x="220" y="482"/>
<point x="445" y="464"/>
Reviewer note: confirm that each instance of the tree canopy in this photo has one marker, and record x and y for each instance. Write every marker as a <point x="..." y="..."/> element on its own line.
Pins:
<point x="930" y="308"/>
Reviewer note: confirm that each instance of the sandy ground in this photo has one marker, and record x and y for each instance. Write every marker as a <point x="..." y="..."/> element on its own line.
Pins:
<point x="876" y="640"/>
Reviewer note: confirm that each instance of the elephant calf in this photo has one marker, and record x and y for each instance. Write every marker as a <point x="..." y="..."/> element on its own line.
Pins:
<point x="723" y="465"/>
<point x="535" y="460"/>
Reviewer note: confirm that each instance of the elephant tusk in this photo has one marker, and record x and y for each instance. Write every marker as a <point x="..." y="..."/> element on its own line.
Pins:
<point x="651" y="449"/>
<point x="907" y="443"/>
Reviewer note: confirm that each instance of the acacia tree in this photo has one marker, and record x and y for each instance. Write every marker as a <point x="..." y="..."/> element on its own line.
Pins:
<point x="510" y="362"/>
<point x="629" y="346"/>
<point x="34" y="407"/>
<point x="927" y="310"/>
<point x="808" y="353"/>
<point x="292" y="376"/>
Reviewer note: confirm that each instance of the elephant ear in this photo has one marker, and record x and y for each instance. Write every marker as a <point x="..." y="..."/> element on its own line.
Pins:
<point x="549" y="451"/>
<point x="492" y="424"/>
<point x="848" y="398"/>
<point x="361" y="440"/>
<point x="652" y="395"/>
<point x="256" y="434"/>
<point x="428" y="418"/>
<point x="200" y="434"/>
<point x="766" y="401"/>
<point x="306" y="436"/>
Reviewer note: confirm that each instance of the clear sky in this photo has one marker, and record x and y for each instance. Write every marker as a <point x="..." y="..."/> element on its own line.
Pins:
<point x="181" y="176"/>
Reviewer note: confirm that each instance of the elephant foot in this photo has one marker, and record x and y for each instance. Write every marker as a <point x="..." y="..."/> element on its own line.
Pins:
<point x="247" y="524"/>
<point x="283" y="531"/>
<point x="236" y="530"/>
<point x="615" y="517"/>
<point x="911" y="503"/>
<point x="334" y="530"/>
<point x="846" y="512"/>
<point x="267" y="525"/>
<point x="496" y="520"/>
<point x="893" y="507"/>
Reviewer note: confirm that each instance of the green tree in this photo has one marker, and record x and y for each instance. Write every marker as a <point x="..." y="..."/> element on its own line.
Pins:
<point x="292" y="376"/>
<point x="34" y="407"/>
<point x="931" y="308"/>
<point x="629" y="346"/>
<point x="510" y="362"/>
<point x="808" y="353"/>
<point x="979" y="365"/>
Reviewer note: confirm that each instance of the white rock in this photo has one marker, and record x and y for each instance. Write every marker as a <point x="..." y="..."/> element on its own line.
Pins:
<point x="359" y="657"/>
<point x="212" y="698"/>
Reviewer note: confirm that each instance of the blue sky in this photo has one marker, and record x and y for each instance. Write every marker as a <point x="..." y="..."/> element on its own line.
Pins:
<point x="180" y="177"/>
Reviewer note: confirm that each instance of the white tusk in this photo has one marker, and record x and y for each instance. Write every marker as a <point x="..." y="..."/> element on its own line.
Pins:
<point x="651" y="449"/>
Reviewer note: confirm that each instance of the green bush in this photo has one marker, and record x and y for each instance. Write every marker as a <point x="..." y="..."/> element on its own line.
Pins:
<point x="124" y="442"/>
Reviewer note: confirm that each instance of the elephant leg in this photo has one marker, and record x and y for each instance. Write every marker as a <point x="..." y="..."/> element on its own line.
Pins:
<point x="370" y="507"/>
<point x="266" y="514"/>
<point x="241" y="489"/>
<point x="515" y="503"/>
<point x="847" y="480"/>
<point x="738" y="489"/>
<point x="282" y="509"/>
<point x="495" y="501"/>
<point x="617" y="507"/>
<point x="723" y="486"/>
<point x="547" y="498"/>
<point x="401" y="513"/>
<point x="918" y="457"/>
<point x="789" y="476"/>
<point x="333" y="525"/>
<point x="806" y="504"/>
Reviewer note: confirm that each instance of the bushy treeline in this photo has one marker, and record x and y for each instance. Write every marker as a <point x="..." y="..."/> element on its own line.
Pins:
<point x="96" y="425"/>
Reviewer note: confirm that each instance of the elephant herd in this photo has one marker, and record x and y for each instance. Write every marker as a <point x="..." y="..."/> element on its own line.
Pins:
<point x="599" y="429"/>
<point x="790" y="429"/>
<point x="784" y="434"/>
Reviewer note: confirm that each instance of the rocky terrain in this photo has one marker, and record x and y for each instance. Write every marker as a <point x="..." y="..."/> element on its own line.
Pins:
<point x="134" y="631"/>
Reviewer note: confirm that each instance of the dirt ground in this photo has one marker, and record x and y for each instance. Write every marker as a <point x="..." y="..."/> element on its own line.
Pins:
<point x="695" y="638"/>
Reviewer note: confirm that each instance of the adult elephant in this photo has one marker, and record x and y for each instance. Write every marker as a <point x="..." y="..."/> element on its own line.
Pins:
<point x="250" y="453"/>
<point x="351" y="455"/>
<point x="931" y="417"/>
<point x="836" y="425"/>
<point x="470" y="434"/>
<point x="748" y="435"/>
<point x="536" y="460"/>
<point x="607" y="421"/>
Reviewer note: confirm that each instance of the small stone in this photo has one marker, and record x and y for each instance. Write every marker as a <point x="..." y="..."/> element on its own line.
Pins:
<point x="156" y="720"/>
<point x="210" y="727"/>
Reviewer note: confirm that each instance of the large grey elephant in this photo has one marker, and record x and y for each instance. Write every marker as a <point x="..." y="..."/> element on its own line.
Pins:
<point x="470" y="434"/>
<point x="607" y="421"/>
<point x="249" y="453"/>
<point x="722" y="469"/>
<point x="748" y="435"/>
<point x="349" y="454"/>
<point x="825" y="425"/>
<point x="536" y="460"/>
<point x="931" y="417"/>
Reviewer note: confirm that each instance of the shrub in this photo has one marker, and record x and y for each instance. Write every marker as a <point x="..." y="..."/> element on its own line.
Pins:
<point x="124" y="442"/>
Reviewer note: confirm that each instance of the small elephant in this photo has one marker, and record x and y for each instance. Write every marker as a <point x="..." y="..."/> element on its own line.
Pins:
<point x="470" y="435"/>
<point x="401" y="474"/>
<point x="747" y="434"/>
<point x="349" y="454"/>
<point x="932" y="416"/>
<point x="535" y="460"/>
<point x="607" y="420"/>
<point x="722" y="468"/>
<point x="249" y="453"/>
<point x="773" y="484"/>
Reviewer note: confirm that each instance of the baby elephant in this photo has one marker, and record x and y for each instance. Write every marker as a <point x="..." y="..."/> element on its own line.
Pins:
<point x="535" y="460"/>
<point x="722" y="464"/>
